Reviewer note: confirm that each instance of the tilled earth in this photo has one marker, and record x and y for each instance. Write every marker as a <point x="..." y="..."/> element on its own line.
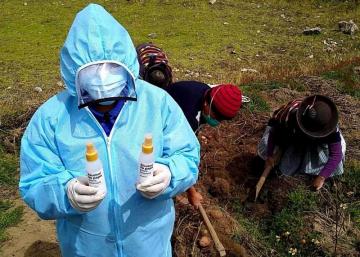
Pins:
<point x="230" y="169"/>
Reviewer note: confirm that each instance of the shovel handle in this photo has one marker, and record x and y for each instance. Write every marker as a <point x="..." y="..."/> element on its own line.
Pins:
<point x="261" y="180"/>
<point x="212" y="231"/>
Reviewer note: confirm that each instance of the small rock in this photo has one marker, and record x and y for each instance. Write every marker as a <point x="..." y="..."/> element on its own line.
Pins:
<point x="204" y="241"/>
<point x="8" y="87"/>
<point x="25" y="3"/>
<point x="357" y="70"/>
<point x="312" y="31"/>
<point x="258" y="31"/>
<point x="38" y="89"/>
<point x="152" y="35"/>
<point x="330" y="42"/>
<point x="283" y="16"/>
<point x="248" y="70"/>
<point x="329" y="49"/>
<point x="212" y="1"/>
<point x="59" y="84"/>
<point x="233" y="52"/>
<point x="226" y="23"/>
<point x="191" y="58"/>
<point x="348" y="27"/>
<point x="311" y="56"/>
<point x="197" y="74"/>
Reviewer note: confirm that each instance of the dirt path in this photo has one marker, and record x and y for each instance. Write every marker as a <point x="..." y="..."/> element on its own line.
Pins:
<point x="32" y="237"/>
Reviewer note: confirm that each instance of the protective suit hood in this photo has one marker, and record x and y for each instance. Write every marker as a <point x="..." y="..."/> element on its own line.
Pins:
<point x="95" y="36"/>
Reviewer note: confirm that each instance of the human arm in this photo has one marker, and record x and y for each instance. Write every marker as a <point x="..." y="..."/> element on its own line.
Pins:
<point x="43" y="177"/>
<point x="335" y="156"/>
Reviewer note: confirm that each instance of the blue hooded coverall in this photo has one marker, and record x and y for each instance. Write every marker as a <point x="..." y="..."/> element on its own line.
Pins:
<point x="53" y="152"/>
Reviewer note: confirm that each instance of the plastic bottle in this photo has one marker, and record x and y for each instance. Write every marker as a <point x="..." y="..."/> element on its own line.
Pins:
<point x="146" y="159"/>
<point x="94" y="168"/>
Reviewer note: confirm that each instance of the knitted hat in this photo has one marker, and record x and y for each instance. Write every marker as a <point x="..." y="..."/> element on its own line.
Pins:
<point x="226" y="99"/>
<point x="317" y="116"/>
<point x="154" y="65"/>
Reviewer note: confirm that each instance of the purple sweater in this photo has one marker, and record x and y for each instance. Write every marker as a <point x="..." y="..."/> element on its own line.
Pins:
<point x="335" y="154"/>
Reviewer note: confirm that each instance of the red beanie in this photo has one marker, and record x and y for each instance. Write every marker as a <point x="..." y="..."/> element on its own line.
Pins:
<point x="227" y="100"/>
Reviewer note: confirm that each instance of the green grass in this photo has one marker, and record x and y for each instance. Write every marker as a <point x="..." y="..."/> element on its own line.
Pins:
<point x="286" y="229"/>
<point x="289" y="226"/>
<point x="192" y="33"/>
<point x="9" y="216"/>
<point x="351" y="180"/>
<point x="8" y="169"/>
<point x="347" y="80"/>
<point x="351" y="177"/>
<point x="257" y="103"/>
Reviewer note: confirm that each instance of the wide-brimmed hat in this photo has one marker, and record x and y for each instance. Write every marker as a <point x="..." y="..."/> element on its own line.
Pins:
<point x="317" y="116"/>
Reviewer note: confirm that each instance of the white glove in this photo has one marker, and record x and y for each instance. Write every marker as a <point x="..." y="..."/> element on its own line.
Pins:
<point x="82" y="196"/>
<point x="157" y="184"/>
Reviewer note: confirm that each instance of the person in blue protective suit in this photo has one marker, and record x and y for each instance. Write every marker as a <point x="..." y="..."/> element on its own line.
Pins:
<point x="106" y="103"/>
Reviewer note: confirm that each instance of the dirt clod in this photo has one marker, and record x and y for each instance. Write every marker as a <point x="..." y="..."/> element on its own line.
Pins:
<point x="216" y="214"/>
<point x="220" y="188"/>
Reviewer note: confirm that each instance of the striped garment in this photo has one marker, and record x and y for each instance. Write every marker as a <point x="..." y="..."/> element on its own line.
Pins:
<point x="282" y="115"/>
<point x="151" y="56"/>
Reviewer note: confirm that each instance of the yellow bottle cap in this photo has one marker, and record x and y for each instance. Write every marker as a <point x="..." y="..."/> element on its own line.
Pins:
<point x="91" y="153"/>
<point x="147" y="146"/>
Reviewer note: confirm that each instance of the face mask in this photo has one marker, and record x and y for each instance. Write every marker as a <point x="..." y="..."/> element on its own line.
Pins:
<point x="105" y="91"/>
<point x="101" y="81"/>
<point x="211" y="121"/>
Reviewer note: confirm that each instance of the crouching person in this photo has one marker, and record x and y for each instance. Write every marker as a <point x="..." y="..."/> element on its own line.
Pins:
<point x="304" y="136"/>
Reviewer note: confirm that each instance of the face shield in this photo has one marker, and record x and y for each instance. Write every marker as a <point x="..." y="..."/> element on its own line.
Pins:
<point x="100" y="82"/>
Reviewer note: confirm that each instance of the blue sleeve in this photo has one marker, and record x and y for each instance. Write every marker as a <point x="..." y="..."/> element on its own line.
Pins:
<point x="181" y="152"/>
<point x="43" y="176"/>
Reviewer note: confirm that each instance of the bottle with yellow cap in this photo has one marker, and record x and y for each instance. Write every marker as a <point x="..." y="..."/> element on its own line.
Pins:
<point x="94" y="168"/>
<point x="146" y="159"/>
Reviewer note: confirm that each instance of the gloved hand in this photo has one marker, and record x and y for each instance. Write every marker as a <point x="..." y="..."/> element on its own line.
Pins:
<point x="82" y="196"/>
<point x="154" y="186"/>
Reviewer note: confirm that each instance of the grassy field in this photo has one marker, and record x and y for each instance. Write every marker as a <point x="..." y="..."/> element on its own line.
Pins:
<point x="215" y="40"/>
<point x="211" y="43"/>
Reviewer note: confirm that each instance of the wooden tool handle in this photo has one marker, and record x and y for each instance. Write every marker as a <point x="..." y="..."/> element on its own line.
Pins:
<point x="212" y="231"/>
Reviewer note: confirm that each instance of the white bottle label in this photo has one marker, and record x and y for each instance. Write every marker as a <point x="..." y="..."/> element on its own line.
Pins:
<point x="97" y="180"/>
<point x="146" y="171"/>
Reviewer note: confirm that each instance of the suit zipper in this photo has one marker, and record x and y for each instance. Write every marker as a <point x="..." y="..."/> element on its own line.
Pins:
<point x="108" y="150"/>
